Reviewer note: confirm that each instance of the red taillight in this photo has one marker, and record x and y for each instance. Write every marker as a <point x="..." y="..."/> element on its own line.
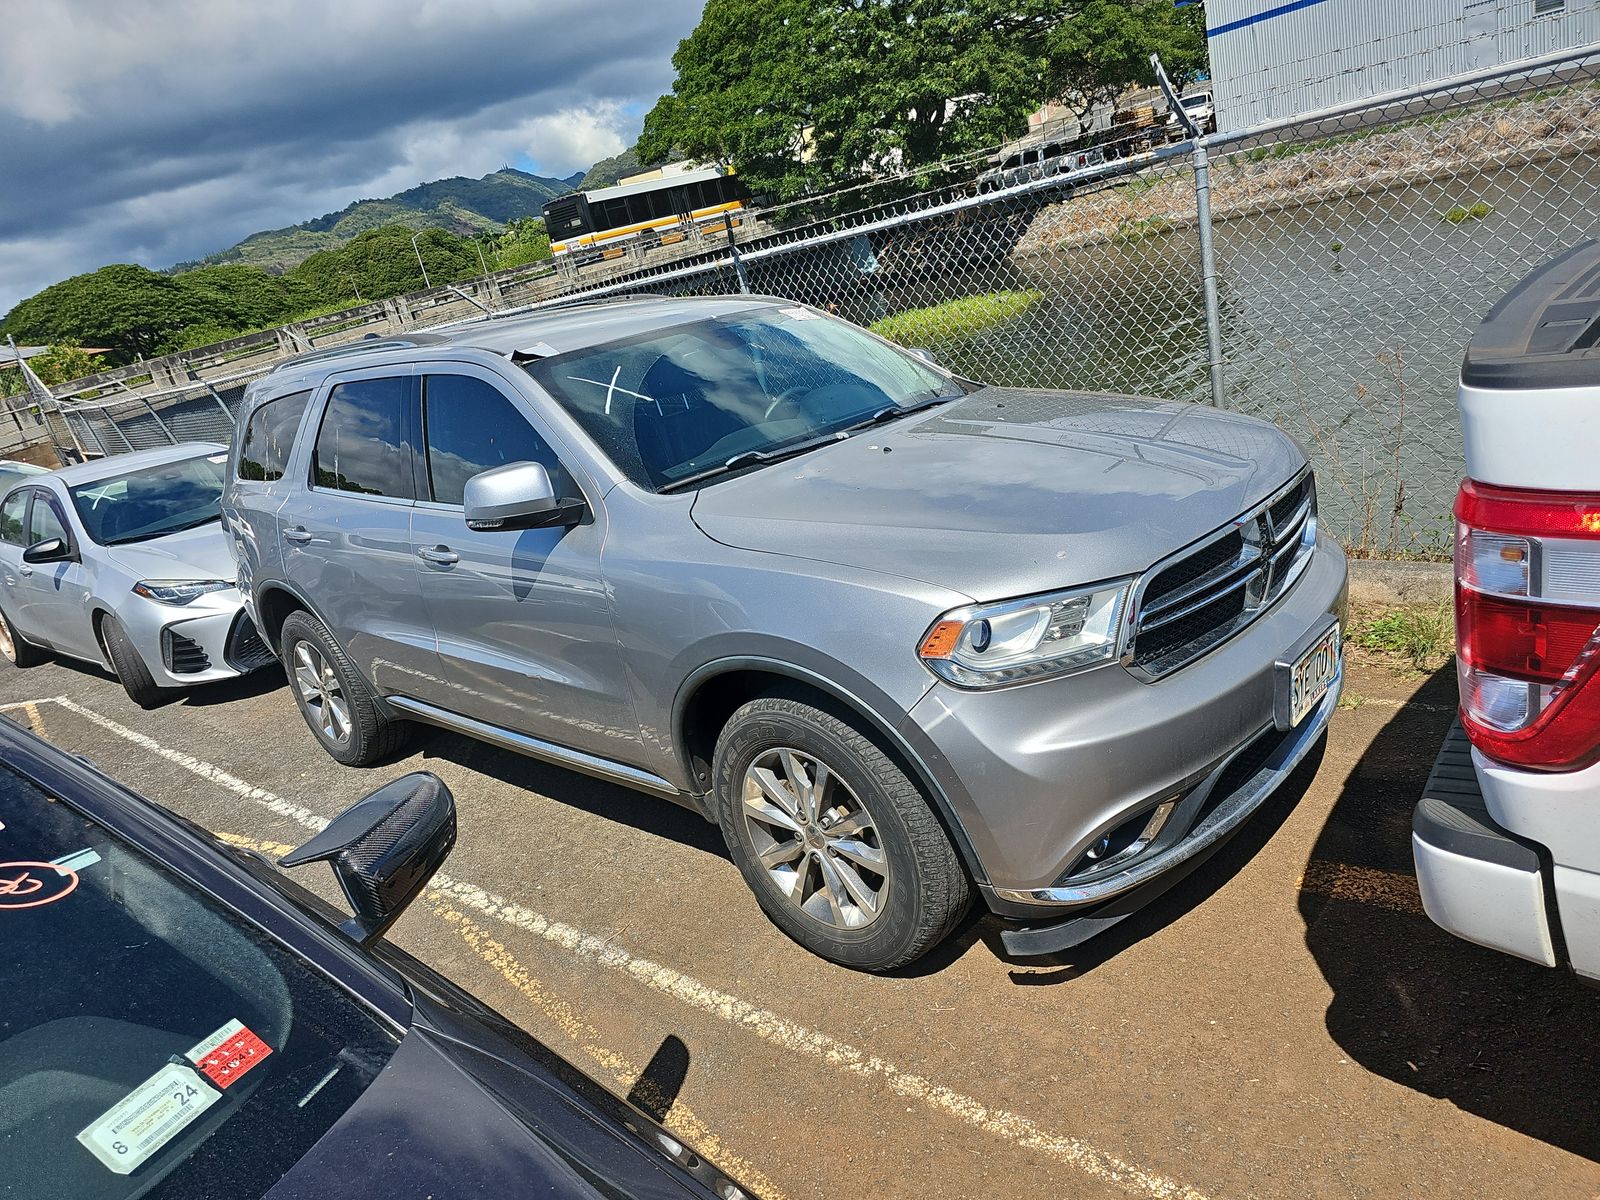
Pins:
<point x="1528" y="624"/>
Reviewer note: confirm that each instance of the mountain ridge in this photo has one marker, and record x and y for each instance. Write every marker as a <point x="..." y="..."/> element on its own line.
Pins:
<point x="460" y="204"/>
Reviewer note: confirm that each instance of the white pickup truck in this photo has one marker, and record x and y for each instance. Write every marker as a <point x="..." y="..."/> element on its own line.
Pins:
<point x="1507" y="834"/>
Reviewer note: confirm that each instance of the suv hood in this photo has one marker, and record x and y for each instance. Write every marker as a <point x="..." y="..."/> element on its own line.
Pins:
<point x="1008" y="491"/>
<point x="198" y="553"/>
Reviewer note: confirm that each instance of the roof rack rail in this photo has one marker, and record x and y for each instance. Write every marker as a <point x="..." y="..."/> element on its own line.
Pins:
<point x="580" y="298"/>
<point x="363" y="345"/>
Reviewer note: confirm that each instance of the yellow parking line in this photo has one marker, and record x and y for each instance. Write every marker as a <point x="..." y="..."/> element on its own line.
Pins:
<point x="1362" y="885"/>
<point x="680" y="1119"/>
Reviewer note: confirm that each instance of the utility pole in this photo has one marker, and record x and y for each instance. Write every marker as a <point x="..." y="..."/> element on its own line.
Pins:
<point x="418" y="253"/>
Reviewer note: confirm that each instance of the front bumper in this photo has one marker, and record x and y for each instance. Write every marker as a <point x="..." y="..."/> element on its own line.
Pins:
<point x="211" y="639"/>
<point x="1039" y="774"/>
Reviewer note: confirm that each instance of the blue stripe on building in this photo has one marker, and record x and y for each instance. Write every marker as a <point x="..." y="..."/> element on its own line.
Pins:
<point x="1267" y="15"/>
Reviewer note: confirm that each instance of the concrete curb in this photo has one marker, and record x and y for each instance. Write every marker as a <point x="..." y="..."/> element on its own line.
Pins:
<point x="1382" y="581"/>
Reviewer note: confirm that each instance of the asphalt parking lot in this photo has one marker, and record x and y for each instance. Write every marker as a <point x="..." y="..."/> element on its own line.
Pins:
<point x="1287" y="1023"/>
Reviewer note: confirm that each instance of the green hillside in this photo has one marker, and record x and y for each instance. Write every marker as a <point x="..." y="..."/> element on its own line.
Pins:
<point x="461" y="205"/>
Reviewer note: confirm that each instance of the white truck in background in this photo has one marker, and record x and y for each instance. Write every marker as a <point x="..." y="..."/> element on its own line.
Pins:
<point x="1506" y="837"/>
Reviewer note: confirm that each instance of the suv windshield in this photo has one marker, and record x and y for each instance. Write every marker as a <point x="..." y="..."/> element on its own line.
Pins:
<point x="152" y="501"/>
<point x="151" y="1042"/>
<point x="677" y="404"/>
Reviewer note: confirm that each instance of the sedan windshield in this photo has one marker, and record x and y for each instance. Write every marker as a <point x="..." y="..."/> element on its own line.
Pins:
<point x="151" y="501"/>
<point x="152" y="1042"/>
<point x="688" y="401"/>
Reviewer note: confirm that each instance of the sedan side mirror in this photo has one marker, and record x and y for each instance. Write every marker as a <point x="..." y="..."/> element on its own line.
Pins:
<point x="384" y="849"/>
<point x="924" y="354"/>
<point x="48" y="551"/>
<point x="516" y="496"/>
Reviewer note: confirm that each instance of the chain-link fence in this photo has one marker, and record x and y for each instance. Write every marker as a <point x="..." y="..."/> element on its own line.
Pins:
<point x="1352" y="254"/>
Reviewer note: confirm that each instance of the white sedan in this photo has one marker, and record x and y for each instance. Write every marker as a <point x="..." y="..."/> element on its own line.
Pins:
<point x="122" y="562"/>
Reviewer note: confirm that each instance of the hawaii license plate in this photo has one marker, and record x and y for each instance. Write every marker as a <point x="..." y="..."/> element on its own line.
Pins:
<point x="1310" y="676"/>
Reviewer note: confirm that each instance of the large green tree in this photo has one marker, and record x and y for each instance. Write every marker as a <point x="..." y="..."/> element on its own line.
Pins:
<point x="1104" y="49"/>
<point x="803" y="94"/>
<point x="130" y="310"/>
<point x="237" y="296"/>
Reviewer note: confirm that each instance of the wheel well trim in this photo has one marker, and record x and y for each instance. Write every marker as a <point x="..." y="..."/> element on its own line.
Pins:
<point x="925" y="776"/>
<point x="288" y="589"/>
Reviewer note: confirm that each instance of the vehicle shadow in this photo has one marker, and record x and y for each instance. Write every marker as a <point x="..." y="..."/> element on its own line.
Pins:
<point x="648" y="814"/>
<point x="240" y="687"/>
<point x="1503" y="1039"/>
<point x="1188" y="893"/>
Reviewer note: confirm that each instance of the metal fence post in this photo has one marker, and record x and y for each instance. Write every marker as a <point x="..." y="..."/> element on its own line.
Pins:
<point x="1208" y="271"/>
<point x="733" y="248"/>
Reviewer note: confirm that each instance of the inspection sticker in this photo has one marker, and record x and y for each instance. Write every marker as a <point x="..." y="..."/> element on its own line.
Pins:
<point x="148" y="1117"/>
<point x="228" y="1053"/>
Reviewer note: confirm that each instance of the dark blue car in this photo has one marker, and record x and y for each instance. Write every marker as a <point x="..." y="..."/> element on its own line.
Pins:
<point x="179" y="1020"/>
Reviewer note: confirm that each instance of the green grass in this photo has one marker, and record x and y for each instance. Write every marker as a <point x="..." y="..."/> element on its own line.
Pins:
<point x="1420" y="635"/>
<point x="959" y="318"/>
<point x="1476" y="211"/>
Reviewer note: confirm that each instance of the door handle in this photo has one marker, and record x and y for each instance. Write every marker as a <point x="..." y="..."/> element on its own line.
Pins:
<point x="296" y="534"/>
<point x="24" y="570"/>
<point x="442" y="555"/>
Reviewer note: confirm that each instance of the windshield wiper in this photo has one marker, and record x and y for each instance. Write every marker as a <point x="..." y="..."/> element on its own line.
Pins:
<point x="145" y="537"/>
<point x="890" y="412"/>
<point x="753" y="458"/>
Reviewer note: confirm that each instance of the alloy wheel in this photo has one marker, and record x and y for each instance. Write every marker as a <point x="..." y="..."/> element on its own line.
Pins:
<point x="815" y="839"/>
<point x="320" y="692"/>
<point x="8" y="645"/>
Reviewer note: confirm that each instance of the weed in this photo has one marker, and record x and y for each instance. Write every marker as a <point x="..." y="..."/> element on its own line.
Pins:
<point x="1422" y="634"/>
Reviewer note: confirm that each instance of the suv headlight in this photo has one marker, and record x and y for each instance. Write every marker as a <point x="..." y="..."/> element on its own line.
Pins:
<point x="987" y="645"/>
<point x="177" y="591"/>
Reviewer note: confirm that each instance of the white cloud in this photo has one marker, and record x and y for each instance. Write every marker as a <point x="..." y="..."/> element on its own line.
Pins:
<point x="162" y="130"/>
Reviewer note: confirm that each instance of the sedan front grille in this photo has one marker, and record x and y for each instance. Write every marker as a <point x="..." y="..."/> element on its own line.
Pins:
<point x="1203" y="595"/>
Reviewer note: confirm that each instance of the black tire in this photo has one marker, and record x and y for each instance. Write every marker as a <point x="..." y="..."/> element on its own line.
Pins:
<point x="16" y="651"/>
<point x="131" y="672"/>
<point x="369" y="736"/>
<point x="926" y="891"/>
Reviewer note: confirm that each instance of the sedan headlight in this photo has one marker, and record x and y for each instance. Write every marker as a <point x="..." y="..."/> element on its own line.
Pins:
<point x="177" y="591"/>
<point x="987" y="645"/>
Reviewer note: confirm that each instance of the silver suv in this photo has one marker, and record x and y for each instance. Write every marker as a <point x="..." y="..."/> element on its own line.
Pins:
<point x="904" y="637"/>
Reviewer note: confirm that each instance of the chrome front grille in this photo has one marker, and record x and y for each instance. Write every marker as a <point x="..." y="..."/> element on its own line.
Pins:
<point x="1200" y="597"/>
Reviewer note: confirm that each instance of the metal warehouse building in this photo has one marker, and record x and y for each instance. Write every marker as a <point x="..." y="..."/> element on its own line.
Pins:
<point x="1273" y="59"/>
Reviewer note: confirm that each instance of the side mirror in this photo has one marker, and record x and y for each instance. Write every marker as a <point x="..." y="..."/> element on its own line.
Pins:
<point x="516" y="496"/>
<point x="384" y="849"/>
<point x="924" y="354"/>
<point x="48" y="551"/>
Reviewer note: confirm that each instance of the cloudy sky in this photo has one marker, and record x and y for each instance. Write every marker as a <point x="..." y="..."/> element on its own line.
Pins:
<point x="158" y="131"/>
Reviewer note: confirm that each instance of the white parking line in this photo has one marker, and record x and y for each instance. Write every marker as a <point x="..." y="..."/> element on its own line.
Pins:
<point x="767" y="1025"/>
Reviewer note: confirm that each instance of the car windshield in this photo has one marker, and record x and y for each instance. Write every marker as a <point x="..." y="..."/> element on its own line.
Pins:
<point x="675" y="404"/>
<point x="152" y="1042"/>
<point x="1199" y="101"/>
<point x="151" y="501"/>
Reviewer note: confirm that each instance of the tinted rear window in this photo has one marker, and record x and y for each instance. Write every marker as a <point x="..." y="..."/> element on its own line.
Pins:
<point x="268" y="438"/>
<point x="364" y="443"/>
